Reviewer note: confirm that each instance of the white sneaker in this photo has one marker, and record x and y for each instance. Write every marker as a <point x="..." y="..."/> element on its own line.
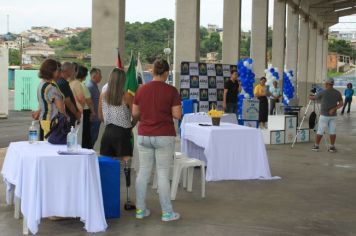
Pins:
<point x="170" y="216"/>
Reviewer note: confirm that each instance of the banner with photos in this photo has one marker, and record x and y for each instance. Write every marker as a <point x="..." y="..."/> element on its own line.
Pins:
<point x="205" y="83"/>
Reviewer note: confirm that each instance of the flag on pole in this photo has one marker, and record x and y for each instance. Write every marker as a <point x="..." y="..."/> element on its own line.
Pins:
<point x="131" y="82"/>
<point x="139" y="72"/>
<point x="118" y="60"/>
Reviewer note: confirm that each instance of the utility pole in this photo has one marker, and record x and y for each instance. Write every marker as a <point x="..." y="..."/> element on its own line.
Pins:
<point x="8" y="23"/>
<point x="20" y="52"/>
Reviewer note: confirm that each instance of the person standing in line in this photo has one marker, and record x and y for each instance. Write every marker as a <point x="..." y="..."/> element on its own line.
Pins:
<point x="155" y="105"/>
<point x="261" y="94"/>
<point x="231" y="90"/>
<point x="92" y="85"/>
<point x="50" y="99"/>
<point x="349" y="92"/>
<point x="72" y="111"/>
<point x="275" y="96"/>
<point x="84" y="104"/>
<point x="115" y="111"/>
<point x="330" y="101"/>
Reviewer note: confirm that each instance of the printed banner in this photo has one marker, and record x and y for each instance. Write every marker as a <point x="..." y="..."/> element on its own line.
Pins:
<point x="205" y="83"/>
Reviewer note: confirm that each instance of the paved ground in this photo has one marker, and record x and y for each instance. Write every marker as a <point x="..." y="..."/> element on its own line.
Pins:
<point x="316" y="196"/>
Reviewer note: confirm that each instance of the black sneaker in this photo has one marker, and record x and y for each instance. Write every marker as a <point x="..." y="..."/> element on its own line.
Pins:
<point x="315" y="148"/>
<point x="332" y="149"/>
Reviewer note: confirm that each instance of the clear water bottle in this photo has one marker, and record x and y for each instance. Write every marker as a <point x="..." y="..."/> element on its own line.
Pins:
<point x="33" y="133"/>
<point x="72" y="143"/>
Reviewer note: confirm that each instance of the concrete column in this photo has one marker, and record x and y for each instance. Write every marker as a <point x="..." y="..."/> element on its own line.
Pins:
<point x="4" y="92"/>
<point x="325" y="57"/>
<point x="108" y="34"/>
<point x="232" y="31"/>
<point x="292" y="40"/>
<point x="303" y="47"/>
<point x="186" y="34"/>
<point x="279" y="34"/>
<point x="311" y="56"/>
<point x="259" y="36"/>
<point x="319" y="58"/>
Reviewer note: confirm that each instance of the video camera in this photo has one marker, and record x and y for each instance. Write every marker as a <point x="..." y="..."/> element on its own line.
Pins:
<point x="315" y="89"/>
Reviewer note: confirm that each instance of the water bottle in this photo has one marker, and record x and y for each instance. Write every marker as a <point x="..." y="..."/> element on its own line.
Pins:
<point x="32" y="133"/>
<point x="72" y="140"/>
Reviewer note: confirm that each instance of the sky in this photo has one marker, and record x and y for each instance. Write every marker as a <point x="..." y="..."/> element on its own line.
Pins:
<point x="77" y="13"/>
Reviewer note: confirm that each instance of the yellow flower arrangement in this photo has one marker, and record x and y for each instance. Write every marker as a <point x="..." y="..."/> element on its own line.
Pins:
<point x="215" y="113"/>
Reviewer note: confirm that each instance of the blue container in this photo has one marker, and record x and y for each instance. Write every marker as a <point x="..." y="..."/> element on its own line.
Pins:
<point x="110" y="185"/>
<point x="188" y="106"/>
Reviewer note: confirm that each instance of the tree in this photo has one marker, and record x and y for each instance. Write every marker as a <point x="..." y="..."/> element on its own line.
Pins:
<point x="14" y="57"/>
<point x="341" y="47"/>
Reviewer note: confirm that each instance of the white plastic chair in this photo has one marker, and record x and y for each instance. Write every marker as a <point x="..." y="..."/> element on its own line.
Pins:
<point x="188" y="164"/>
<point x="178" y="156"/>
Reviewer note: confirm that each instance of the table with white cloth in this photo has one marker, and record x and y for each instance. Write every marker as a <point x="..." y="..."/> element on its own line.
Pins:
<point x="231" y="152"/>
<point x="202" y="117"/>
<point x="50" y="184"/>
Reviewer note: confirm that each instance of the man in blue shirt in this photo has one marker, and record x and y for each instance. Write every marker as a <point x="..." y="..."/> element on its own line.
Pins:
<point x="95" y="75"/>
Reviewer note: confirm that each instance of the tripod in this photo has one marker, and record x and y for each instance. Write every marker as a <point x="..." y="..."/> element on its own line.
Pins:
<point x="304" y="116"/>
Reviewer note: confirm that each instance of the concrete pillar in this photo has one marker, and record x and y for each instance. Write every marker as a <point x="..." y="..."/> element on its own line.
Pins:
<point x="302" y="74"/>
<point x="259" y="36"/>
<point x="232" y="31"/>
<point x="186" y="34"/>
<point x="292" y="40"/>
<point x="279" y="34"/>
<point x="311" y="56"/>
<point x="4" y="92"/>
<point x="319" y="58"/>
<point x="325" y="57"/>
<point x="108" y="34"/>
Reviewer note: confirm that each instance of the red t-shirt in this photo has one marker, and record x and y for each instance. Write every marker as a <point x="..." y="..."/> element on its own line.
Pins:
<point x="156" y="100"/>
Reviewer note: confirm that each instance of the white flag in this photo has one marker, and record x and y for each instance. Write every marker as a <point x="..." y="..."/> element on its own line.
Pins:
<point x="139" y="72"/>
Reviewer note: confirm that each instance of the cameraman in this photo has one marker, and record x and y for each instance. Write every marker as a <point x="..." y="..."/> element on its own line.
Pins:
<point x="330" y="100"/>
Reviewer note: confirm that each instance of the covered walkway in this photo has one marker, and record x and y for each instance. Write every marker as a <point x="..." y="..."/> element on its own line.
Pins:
<point x="316" y="196"/>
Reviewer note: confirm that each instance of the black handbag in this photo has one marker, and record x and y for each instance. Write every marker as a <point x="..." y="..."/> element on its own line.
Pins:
<point x="59" y="129"/>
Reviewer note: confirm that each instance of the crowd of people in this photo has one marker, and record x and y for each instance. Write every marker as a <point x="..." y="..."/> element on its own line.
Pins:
<point x="63" y="89"/>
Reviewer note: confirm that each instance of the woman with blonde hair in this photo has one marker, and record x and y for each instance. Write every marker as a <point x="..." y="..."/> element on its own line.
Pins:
<point x="115" y="111"/>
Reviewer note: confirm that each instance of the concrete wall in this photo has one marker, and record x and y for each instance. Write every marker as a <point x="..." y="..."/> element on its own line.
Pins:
<point x="4" y="97"/>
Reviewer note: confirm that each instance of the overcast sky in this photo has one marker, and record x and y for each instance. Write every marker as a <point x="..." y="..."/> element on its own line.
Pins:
<point x="73" y="13"/>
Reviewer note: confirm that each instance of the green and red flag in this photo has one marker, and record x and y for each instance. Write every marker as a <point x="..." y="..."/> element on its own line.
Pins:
<point x="131" y="84"/>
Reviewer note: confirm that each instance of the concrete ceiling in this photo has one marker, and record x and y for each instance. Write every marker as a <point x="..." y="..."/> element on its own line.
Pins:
<point x="324" y="13"/>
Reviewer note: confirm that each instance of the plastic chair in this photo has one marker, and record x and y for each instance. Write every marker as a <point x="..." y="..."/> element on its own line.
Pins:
<point x="188" y="164"/>
<point x="178" y="156"/>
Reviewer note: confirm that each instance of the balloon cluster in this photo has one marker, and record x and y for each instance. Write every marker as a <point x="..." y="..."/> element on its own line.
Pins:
<point x="247" y="78"/>
<point x="288" y="87"/>
<point x="271" y="75"/>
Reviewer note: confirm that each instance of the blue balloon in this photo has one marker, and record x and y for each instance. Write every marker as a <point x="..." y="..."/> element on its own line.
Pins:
<point x="272" y="70"/>
<point x="275" y="73"/>
<point x="250" y="61"/>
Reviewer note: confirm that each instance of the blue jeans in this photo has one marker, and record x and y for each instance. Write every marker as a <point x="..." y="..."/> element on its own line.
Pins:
<point x="94" y="131"/>
<point x="161" y="150"/>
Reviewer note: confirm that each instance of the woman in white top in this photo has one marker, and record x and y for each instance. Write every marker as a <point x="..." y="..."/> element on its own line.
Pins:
<point x="115" y="111"/>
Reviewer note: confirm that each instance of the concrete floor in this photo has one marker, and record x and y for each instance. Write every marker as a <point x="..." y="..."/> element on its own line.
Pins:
<point x="316" y="196"/>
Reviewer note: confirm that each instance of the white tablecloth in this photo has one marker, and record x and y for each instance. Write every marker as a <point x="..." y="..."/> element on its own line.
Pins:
<point x="49" y="184"/>
<point x="232" y="152"/>
<point x="202" y="117"/>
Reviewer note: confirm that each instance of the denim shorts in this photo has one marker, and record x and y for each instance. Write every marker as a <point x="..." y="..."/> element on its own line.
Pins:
<point x="327" y="124"/>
